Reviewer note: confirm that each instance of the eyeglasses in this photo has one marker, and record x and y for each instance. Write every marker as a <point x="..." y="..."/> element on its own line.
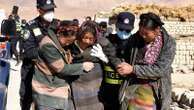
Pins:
<point x="128" y="31"/>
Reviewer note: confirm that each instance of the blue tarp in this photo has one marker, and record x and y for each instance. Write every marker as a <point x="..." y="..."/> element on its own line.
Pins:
<point x="4" y="81"/>
<point x="3" y="96"/>
<point x="4" y="71"/>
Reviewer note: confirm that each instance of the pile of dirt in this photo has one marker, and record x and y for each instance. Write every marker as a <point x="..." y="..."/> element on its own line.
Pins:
<point x="175" y="13"/>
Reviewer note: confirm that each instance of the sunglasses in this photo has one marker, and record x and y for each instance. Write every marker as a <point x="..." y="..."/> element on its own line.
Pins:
<point x="128" y="31"/>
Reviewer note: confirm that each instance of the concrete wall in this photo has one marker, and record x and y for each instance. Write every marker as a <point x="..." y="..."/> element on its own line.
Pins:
<point x="185" y="45"/>
<point x="180" y="28"/>
<point x="184" y="51"/>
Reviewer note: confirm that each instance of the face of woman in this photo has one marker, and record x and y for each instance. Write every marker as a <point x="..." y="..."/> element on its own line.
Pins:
<point x="148" y="34"/>
<point x="65" y="41"/>
<point x="88" y="39"/>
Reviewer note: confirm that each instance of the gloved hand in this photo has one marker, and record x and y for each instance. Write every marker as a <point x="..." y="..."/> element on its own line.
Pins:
<point x="98" y="52"/>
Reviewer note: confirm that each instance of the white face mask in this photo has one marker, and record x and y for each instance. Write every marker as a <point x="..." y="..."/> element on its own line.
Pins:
<point x="49" y="16"/>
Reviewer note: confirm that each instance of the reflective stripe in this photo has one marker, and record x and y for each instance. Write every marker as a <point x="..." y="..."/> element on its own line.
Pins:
<point x="111" y="77"/>
<point x="108" y="68"/>
<point x="113" y="81"/>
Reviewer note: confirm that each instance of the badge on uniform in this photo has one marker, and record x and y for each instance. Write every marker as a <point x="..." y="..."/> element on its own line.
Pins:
<point x="48" y="2"/>
<point x="126" y="21"/>
<point x="26" y="34"/>
<point x="37" y="32"/>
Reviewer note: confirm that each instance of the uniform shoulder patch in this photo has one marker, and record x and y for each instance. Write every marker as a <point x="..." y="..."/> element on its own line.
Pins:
<point x="37" y="32"/>
<point x="26" y="34"/>
<point x="31" y="22"/>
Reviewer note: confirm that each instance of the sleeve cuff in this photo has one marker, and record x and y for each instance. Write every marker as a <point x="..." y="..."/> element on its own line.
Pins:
<point x="134" y="69"/>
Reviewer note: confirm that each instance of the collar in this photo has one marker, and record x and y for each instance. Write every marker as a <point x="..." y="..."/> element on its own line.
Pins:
<point x="81" y="50"/>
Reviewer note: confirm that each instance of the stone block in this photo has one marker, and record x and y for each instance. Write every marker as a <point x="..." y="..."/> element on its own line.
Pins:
<point x="187" y="98"/>
<point x="177" y="93"/>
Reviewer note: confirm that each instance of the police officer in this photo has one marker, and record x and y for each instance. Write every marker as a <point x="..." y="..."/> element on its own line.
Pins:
<point x="112" y="80"/>
<point x="17" y="34"/>
<point x="35" y="30"/>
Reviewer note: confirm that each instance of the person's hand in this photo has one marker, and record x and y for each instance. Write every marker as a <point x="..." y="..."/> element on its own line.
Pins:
<point x="124" y="69"/>
<point x="98" y="52"/>
<point x="88" y="66"/>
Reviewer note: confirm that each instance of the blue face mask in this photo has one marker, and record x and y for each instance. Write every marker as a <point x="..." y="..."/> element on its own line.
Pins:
<point x="123" y="35"/>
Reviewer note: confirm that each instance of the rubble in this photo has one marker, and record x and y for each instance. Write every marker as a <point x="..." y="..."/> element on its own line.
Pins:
<point x="169" y="13"/>
<point x="183" y="98"/>
<point x="183" y="88"/>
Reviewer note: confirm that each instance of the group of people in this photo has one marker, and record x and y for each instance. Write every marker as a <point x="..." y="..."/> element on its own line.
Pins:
<point x="12" y="30"/>
<point x="71" y="67"/>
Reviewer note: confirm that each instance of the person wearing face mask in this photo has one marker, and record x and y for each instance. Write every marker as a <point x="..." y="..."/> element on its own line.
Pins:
<point x="150" y="75"/>
<point x="35" y="30"/>
<point x="112" y="80"/>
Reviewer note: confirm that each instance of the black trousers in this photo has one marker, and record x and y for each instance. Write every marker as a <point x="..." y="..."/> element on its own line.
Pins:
<point x="108" y="95"/>
<point x="27" y="71"/>
<point x="13" y="43"/>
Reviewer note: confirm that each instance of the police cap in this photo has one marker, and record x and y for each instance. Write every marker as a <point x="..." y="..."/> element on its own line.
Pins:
<point x="45" y="4"/>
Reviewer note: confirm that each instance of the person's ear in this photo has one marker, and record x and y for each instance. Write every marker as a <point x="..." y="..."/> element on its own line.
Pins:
<point x="40" y="11"/>
<point x="157" y="30"/>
